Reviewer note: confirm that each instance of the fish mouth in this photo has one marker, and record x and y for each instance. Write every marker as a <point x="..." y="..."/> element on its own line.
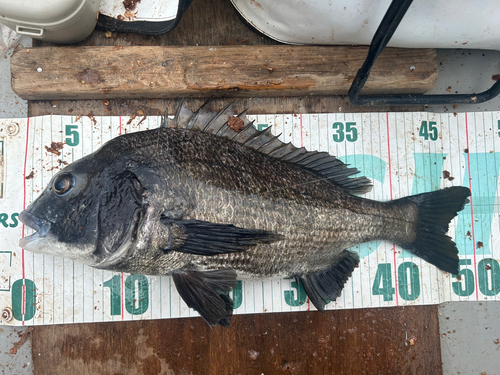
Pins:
<point x="39" y="225"/>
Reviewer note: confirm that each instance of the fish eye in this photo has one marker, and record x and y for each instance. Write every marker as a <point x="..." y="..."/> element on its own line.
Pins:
<point x="63" y="184"/>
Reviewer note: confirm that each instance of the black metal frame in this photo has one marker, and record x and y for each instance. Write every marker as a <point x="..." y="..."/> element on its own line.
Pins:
<point x="384" y="33"/>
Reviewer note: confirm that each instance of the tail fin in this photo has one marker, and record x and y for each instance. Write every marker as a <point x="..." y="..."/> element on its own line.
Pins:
<point x="435" y="211"/>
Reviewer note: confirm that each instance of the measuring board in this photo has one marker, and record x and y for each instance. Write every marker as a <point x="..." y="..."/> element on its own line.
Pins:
<point x="403" y="153"/>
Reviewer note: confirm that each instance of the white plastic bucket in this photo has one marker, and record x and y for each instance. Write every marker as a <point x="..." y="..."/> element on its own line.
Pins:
<point x="58" y="21"/>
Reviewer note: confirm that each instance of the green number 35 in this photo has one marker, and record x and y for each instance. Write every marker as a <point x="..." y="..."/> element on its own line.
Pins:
<point x="350" y="133"/>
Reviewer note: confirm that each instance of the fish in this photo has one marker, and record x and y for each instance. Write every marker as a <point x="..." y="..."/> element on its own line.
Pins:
<point x="209" y="199"/>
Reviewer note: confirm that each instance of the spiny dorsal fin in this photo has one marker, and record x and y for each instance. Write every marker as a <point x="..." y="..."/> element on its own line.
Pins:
<point x="216" y="123"/>
<point x="182" y="116"/>
<point x="322" y="164"/>
<point x="227" y="132"/>
<point x="202" y="116"/>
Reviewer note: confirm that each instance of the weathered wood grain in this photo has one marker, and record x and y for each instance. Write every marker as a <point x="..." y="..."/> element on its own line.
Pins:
<point x="361" y="341"/>
<point x="131" y="72"/>
<point x="157" y="107"/>
<point x="205" y="23"/>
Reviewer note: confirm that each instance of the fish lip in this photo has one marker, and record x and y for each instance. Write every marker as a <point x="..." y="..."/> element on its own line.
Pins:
<point x="41" y="226"/>
<point x="25" y="241"/>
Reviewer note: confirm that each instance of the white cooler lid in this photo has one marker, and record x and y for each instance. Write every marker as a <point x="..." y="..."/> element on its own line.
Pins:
<point x="427" y="24"/>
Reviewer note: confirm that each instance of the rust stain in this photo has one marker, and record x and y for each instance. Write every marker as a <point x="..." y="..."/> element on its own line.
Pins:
<point x="257" y="4"/>
<point x="92" y="118"/>
<point x="55" y="148"/>
<point x="289" y="85"/>
<point x="447" y="175"/>
<point x="130" y="4"/>
<point x="17" y="345"/>
<point x="235" y="123"/>
<point x="89" y="76"/>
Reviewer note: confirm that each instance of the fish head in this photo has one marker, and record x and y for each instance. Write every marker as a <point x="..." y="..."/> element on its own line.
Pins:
<point x="63" y="216"/>
<point x="89" y="212"/>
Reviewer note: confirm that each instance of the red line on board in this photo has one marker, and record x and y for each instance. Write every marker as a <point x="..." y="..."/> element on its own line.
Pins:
<point x="390" y="185"/>
<point x="471" y="207"/>
<point x="24" y="207"/>
<point x="122" y="292"/>
<point x="302" y="145"/>
<point x="301" y="133"/>
<point x="123" y="304"/>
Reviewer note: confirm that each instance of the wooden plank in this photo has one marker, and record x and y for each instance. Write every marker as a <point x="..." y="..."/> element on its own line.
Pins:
<point x="205" y="23"/>
<point x="157" y="107"/>
<point x="236" y="71"/>
<point x="360" y="341"/>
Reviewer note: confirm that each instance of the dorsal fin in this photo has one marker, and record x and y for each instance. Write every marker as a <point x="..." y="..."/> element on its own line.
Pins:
<point x="202" y="116"/>
<point x="182" y="116"/>
<point x="322" y="164"/>
<point x="227" y="132"/>
<point x="216" y="123"/>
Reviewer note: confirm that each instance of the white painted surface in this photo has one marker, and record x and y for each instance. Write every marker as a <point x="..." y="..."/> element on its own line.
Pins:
<point x="18" y="362"/>
<point x="427" y="23"/>
<point x="470" y="337"/>
<point x="145" y="10"/>
<point x="390" y="148"/>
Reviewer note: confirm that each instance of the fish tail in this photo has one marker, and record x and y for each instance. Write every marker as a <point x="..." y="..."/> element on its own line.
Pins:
<point x="435" y="211"/>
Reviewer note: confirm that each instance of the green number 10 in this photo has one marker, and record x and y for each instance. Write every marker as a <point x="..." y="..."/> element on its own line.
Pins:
<point x="136" y="294"/>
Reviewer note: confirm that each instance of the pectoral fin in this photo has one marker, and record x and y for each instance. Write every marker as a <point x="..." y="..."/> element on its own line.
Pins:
<point x="326" y="285"/>
<point x="205" y="238"/>
<point x="206" y="292"/>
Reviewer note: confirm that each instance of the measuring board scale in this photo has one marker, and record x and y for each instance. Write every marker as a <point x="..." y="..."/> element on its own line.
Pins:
<point x="403" y="154"/>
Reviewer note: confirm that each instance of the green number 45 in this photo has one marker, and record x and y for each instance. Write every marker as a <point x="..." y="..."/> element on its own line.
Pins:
<point x="428" y="131"/>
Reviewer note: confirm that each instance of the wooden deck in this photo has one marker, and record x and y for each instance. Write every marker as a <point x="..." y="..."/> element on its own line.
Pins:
<point x="363" y="341"/>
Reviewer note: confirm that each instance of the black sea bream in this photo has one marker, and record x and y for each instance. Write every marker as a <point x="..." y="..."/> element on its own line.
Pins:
<point x="208" y="203"/>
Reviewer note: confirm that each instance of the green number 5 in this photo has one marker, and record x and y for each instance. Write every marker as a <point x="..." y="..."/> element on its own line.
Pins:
<point x="72" y="135"/>
<point x="351" y="131"/>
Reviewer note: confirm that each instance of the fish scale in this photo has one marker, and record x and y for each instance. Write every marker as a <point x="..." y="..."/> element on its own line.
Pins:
<point x="209" y="204"/>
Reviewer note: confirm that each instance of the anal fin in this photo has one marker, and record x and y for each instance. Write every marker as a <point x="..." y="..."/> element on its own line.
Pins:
<point x="206" y="292"/>
<point x="327" y="285"/>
